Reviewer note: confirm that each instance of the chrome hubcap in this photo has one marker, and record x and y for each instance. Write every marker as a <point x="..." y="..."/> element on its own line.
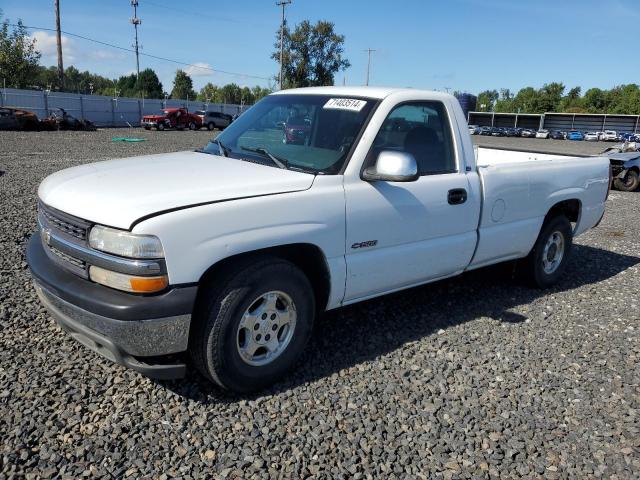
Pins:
<point x="266" y="328"/>
<point x="553" y="252"/>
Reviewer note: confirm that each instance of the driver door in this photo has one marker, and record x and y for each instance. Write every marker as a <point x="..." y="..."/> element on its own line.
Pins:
<point x="401" y="234"/>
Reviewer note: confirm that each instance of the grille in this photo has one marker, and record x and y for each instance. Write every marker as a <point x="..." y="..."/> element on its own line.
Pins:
<point x="66" y="228"/>
<point x="76" y="262"/>
<point x="65" y="223"/>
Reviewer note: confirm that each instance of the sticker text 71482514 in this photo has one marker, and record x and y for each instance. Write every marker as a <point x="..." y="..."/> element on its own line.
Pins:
<point x="351" y="104"/>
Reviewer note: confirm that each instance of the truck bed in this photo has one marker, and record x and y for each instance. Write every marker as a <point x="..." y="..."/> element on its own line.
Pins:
<point x="519" y="188"/>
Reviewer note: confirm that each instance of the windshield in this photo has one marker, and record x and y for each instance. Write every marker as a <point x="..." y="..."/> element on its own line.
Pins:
<point x="313" y="133"/>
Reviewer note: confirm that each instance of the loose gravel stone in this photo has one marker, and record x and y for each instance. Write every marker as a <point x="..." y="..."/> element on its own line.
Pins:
<point x="473" y="377"/>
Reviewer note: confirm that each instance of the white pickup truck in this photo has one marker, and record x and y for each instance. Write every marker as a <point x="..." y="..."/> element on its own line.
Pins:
<point x="313" y="199"/>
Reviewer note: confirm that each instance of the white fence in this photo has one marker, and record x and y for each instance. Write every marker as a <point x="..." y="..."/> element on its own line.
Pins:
<point x="102" y="110"/>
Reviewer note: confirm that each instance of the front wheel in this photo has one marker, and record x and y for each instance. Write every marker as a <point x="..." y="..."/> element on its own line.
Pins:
<point x="630" y="183"/>
<point x="161" y="126"/>
<point x="210" y="126"/>
<point x="192" y="126"/>
<point x="547" y="261"/>
<point x="252" y="324"/>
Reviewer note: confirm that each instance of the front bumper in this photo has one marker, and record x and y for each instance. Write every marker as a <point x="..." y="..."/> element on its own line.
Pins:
<point x="132" y="330"/>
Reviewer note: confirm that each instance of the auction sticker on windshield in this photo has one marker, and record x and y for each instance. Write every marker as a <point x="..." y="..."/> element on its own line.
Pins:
<point x="345" y="104"/>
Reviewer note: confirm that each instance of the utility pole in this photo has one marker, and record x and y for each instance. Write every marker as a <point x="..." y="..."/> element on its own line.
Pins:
<point x="56" y="4"/>
<point x="136" y="21"/>
<point x="282" y="3"/>
<point x="369" y="52"/>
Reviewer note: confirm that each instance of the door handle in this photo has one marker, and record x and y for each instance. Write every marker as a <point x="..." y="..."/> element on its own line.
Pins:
<point x="457" y="196"/>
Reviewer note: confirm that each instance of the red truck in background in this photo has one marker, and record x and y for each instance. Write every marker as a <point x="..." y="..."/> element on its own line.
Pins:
<point x="172" y="118"/>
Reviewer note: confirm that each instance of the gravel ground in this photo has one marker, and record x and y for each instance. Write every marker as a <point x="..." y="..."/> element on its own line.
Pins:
<point x="565" y="147"/>
<point x="473" y="377"/>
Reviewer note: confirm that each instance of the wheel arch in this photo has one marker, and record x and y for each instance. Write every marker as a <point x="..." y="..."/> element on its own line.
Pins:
<point x="570" y="208"/>
<point x="307" y="257"/>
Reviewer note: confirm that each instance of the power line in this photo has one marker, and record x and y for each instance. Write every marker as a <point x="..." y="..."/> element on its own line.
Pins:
<point x="178" y="62"/>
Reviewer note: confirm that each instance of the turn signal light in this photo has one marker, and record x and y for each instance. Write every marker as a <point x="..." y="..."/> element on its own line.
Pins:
<point x="128" y="283"/>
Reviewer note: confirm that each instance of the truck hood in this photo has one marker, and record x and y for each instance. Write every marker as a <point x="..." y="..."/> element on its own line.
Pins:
<point x="119" y="192"/>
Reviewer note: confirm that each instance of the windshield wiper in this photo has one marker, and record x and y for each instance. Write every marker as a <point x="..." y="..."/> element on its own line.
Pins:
<point x="282" y="163"/>
<point x="222" y="147"/>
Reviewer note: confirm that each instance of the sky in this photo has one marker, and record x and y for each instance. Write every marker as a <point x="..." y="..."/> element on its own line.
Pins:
<point x="465" y="45"/>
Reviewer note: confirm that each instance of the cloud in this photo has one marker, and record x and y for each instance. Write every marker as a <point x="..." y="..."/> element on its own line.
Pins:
<point x="46" y="44"/>
<point x="199" y="69"/>
<point x="105" y="55"/>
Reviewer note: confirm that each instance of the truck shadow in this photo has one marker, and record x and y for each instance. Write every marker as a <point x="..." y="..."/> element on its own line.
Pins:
<point x="359" y="333"/>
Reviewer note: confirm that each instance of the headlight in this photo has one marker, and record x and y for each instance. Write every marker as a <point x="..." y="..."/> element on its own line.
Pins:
<point x="125" y="244"/>
<point x="128" y="283"/>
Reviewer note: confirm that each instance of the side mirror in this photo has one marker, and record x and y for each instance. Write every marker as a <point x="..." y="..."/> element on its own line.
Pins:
<point x="393" y="166"/>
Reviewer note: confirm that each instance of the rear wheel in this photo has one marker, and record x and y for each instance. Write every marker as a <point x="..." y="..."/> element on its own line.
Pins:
<point x="192" y="126"/>
<point x="629" y="183"/>
<point x="210" y="126"/>
<point x="547" y="261"/>
<point x="252" y="324"/>
<point x="161" y="126"/>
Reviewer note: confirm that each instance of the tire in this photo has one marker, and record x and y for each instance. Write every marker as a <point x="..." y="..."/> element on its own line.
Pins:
<point x="210" y="126"/>
<point x="539" y="273"/>
<point x="192" y="126"/>
<point x="161" y="127"/>
<point x="630" y="183"/>
<point x="218" y="341"/>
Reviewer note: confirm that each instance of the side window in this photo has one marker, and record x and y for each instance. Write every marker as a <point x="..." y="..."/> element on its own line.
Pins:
<point x="421" y="129"/>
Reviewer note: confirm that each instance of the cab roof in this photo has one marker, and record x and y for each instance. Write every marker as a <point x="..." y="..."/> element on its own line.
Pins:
<point x="370" y="92"/>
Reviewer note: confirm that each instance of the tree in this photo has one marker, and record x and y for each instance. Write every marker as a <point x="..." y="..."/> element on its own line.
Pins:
<point x="18" y="55"/>
<point x="526" y="100"/>
<point x="313" y="54"/>
<point x="209" y="93"/>
<point x="183" y="86"/>
<point x="126" y="86"/>
<point x="487" y="98"/>
<point x="149" y="84"/>
<point x="259" y="92"/>
<point x="231" y="93"/>
<point x="550" y="96"/>
<point x="594" y="100"/>
<point x="505" y="102"/>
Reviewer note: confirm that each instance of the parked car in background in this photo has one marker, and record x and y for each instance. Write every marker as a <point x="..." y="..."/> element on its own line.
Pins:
<point x="474" y="129"/>
<point x="512" y="132"/>
<point x="557" y="135"/>
<point x="178" y="118"/>
<point x="498" y="132"/>
<point x="629" y="137"/>
<point x="485" y="130"/>
<point x="542" y="134"/>
<point x="296" y="130"/>
<point x="610" y="136"/>
<point x="625" y="169"/>
<point x="60" y="119"/>
<point x="592" y="136"/>
<point x="213" y="120"/>
<point x="12" y="118"/>
<point x="575" y="135"/>
<point x="528" y="133"/>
